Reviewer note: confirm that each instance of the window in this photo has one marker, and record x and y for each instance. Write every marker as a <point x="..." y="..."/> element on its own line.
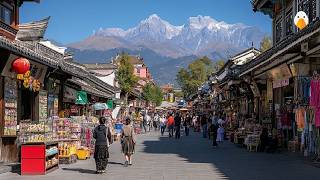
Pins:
<point x="309" y="7"/>
<point x="289" y="23"/>
<point x="6" y="14"/>
<point x="278" y="30"/>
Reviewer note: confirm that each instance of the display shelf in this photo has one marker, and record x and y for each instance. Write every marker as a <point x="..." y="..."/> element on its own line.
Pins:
<point x="35" y="154"/>
<point x="49" y="167"/>
<point x="48" y="155"/>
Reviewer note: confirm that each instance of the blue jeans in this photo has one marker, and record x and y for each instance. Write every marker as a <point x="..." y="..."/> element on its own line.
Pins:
<point x="204" y="131"/>
<point x="171" y="128"/>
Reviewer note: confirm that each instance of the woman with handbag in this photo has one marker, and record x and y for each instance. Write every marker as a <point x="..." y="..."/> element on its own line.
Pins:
<point x="102" y="135"/>
<point x="127" y="142"/>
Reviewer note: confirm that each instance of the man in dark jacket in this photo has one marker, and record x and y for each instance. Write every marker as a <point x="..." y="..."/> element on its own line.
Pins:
<point x="177" y="122"/>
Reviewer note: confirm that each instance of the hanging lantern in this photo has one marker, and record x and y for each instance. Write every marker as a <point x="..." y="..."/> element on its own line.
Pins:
<point x="21" y="65"/>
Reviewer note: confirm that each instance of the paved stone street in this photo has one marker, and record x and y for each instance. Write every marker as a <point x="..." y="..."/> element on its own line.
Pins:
<point x="161" y="158"/>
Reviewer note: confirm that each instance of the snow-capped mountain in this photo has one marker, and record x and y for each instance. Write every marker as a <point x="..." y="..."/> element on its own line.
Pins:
<point x="201" y="35"/>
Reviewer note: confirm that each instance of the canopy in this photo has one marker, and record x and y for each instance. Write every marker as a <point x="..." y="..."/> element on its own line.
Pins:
<point x="100" y="106"/>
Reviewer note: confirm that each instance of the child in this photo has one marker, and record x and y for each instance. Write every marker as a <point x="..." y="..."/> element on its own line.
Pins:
<point x="220" y="136"/>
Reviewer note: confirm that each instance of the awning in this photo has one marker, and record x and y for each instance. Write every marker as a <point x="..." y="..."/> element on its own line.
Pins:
<point x="100" y="106"/>
<point x="89" y="88"/>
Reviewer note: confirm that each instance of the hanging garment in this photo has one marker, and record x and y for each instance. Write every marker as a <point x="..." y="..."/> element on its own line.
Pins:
<point x="300" y="118"/>
<point x="317" y="118"/>
<point x="315" y="93"/>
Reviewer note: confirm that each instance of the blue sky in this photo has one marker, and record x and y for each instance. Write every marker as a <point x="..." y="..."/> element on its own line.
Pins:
<point x="74" y="20"/>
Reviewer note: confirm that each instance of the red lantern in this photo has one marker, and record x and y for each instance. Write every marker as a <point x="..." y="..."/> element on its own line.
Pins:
<point x="21" y="65"/>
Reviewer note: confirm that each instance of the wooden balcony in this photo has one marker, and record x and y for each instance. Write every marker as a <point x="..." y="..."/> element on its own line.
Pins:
<point x="7" y="31"/>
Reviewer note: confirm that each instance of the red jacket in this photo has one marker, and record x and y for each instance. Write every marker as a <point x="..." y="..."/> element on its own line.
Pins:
<point x="170" y="121"/>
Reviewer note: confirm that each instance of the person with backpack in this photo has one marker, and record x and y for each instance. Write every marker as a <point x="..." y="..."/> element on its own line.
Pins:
<point x="102" y="134"/>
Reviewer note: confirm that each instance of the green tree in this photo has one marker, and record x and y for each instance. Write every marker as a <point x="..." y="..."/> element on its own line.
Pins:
<point x="152" y="93"/>
<point x="265" y="44"/>
<point x="125" y="75"/>
<point x="218" y="65"/>
<point x="197" y="73"/>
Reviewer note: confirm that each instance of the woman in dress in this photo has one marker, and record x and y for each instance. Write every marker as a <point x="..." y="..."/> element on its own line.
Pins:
<point x="102" y="135"/>
<point x="127" y="142"/>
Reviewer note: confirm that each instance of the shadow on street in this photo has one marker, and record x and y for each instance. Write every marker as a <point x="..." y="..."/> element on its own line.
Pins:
<point x="234" y="162"/>
<point x="80" y="170"/>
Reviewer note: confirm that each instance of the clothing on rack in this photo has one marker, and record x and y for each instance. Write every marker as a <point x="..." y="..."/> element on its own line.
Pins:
<point x="302" y="89"/>
<point x="300" y="118"/>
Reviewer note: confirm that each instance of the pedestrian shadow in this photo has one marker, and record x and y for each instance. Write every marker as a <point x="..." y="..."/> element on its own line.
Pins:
<point x="115" y="163"/>
<point x="230" y="161"/>
<point x="80" y="170"/>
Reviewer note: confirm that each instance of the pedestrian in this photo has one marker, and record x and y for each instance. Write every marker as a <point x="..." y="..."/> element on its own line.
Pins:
<point x="186" y="124"/>
<point x="102" y="134"/>
<point x="170" y="125"/>
<point x="214" y="129"/>
<point x="220" y="135"/>
<point x="156" y="122"/>
<point x="128" y="142"/>
<point x="145" y="122"/>
<point x="204" y="125"/>
<point x="163" y="122"/>
<point x="177" y="123"/>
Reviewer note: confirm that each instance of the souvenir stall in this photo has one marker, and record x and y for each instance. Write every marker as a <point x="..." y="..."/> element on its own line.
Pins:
<point x="307" y="118"/>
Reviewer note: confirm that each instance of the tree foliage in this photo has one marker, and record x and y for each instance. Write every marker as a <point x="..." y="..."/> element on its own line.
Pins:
<point x="125" y="74"/>
<point x="265" y="44"/>
<point x="197" y="73"/>
<point x="152" y="93"/>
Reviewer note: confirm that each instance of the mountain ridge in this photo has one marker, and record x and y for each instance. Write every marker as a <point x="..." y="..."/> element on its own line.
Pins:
<point x="166" y="46"/>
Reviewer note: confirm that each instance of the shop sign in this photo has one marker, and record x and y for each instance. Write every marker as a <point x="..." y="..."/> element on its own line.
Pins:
<point x="110" y="104"/>
<point x="280" y="73"/>
<point x="82" y="98"/>
<point x="37" y="71"/>
<point x="70" y="93"/>
<point x="280" y="83"/>
<point x="74" y="109"/>
<point x="94" y="98"/>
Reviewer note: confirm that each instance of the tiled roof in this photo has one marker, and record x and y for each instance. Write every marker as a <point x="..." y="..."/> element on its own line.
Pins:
<point x="22" y="48"/>
<point x="89" y="88"/>
<point x="97" y="66"/>
<point x="44" y="55"/>
<point x="293" y="41"/>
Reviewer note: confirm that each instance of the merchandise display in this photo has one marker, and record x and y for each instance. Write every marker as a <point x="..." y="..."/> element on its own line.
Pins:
<point x="10" y="107"/>
<point x="40" y="132"/>
<point x="43" y="105"/>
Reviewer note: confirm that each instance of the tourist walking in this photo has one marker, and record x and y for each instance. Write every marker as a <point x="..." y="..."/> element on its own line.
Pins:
<point x="204" y="125"/>
<point x="220" y="133"/>
<point x="214" y="131"/>
<point x="170" y="125"/>
<point x="163" y="122"/>
<point x="177" y="123"/>
<point x="156" y="122"/>
<point x="102" y="135"/>
<point x="127" y="142"/>
<point x="187" y="124"/>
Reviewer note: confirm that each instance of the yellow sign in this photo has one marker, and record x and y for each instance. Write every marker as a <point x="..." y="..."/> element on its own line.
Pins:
<point x="301" y="20"/>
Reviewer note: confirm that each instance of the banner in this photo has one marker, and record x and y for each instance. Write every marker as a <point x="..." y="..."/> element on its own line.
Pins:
<point x="110" y="104"/>
<point x="82" y="98"/>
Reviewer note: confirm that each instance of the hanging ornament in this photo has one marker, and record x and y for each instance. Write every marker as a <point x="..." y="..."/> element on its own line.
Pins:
<point x="301" y="20"/>
<point x="21" y="65"/>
